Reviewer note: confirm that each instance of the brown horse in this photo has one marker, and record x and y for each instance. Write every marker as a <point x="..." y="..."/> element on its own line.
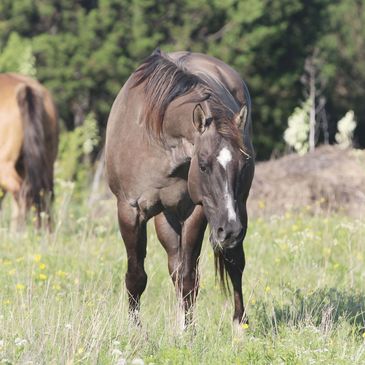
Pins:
<point x="179" y="149"/>
<point x="28" y="144"/>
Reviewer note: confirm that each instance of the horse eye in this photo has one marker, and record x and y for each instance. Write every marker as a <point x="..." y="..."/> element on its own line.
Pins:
<point x="202" y="167"/>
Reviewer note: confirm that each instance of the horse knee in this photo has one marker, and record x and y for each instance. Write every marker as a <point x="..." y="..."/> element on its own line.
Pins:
<point x="136" y="281"/>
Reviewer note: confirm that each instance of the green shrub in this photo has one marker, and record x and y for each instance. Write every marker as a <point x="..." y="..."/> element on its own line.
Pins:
<point x="17" y="56"/>
<point x="74" y="161"/>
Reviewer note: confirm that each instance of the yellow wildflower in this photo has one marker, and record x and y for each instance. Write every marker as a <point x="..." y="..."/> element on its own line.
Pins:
<point x="245" y="326"/>
<point x="11" y="272"/>
<point x="267" y="289"/>
<point x="20" y="287"/>
<point x="295" y="228"/>
<point x="56" y="287"/>
<point x="61" y="273"/>
<point x="37" y="257"/>
<point x="287" y="215"/>
<point x="42" y="277"/>
<point x="42" y="266"/>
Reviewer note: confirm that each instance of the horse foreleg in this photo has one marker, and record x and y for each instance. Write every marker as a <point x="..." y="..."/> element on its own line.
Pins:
<point x="133" y="231"/>
<point x="234" y="264"/>
<point x="168" y="229"/>
<point x="183" y="245"/>
<point x="192" y="238"/>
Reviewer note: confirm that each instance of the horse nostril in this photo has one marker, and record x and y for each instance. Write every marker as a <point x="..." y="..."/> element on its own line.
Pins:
<point x="223" y="235"/>
<point x="220" y="233"/>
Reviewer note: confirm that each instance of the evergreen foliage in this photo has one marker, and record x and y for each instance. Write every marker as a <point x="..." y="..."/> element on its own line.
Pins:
<point x="85" y="51"/>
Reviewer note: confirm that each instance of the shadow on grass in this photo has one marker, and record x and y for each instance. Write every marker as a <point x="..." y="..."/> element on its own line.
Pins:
<point x="322" y="308"/>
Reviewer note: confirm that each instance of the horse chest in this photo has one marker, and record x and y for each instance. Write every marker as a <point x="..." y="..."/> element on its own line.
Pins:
<point x="174" y="197"/>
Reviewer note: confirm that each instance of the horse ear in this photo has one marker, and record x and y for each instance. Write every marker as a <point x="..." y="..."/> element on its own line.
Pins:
<point x="199" y="119"/>
<point x="241" y="118"/>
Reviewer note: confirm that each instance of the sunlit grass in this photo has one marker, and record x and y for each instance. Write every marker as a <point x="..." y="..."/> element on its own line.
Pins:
<point x="62" y="297"/>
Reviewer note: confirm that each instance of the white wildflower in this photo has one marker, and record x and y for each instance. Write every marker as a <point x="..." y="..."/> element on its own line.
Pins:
<point x="346" y="127"/>
<point x="121" y="361"/>
<point x="116" y="352"/>
<point x="20" y="342"/>
<point x="137" y="361"/>
<point x="296" y="135"/>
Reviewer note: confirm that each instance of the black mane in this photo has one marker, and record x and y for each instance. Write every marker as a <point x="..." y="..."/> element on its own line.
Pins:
<point x="165" y="80"/>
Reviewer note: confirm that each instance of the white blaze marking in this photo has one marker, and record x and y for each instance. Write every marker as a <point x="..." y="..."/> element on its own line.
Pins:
<point x="229" y="204"/>
<point x="224" y="156"/>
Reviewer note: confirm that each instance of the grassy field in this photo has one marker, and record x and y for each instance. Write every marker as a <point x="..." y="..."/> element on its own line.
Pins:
<point x="62" y="296"/>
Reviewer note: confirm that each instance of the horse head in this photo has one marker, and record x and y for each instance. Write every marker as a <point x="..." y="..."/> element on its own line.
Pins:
<point x="221" y="173"/>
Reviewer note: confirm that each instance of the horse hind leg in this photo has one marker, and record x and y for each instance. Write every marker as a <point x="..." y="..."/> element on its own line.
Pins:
<point x="133" y="231"/>
<point x="11" y="182"/>
<point x="2" y="195"/>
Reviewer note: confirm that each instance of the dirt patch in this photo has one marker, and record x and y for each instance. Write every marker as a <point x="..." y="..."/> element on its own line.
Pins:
<point x="329" y="179"/>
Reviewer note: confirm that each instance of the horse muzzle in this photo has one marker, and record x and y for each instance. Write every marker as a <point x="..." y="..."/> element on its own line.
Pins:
<point x="224" y="238"/>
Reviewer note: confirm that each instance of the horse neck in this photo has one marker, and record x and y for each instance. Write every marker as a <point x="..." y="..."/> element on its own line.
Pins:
<point x="178" y="121"/>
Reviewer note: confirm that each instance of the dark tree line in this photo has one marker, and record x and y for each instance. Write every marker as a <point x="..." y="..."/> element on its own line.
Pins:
<point x="86" y="49"/>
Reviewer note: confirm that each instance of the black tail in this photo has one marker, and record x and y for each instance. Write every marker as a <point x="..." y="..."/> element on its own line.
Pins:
<point x="38" y="180"/>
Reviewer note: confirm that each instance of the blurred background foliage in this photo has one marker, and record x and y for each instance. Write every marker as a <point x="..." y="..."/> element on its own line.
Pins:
<point x="84" y="50"/>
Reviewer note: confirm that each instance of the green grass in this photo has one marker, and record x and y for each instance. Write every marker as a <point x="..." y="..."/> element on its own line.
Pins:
<point x="62" y="296"/>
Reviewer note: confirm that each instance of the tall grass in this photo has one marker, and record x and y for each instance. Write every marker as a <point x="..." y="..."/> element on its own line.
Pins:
<point x="62" y="296"/>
